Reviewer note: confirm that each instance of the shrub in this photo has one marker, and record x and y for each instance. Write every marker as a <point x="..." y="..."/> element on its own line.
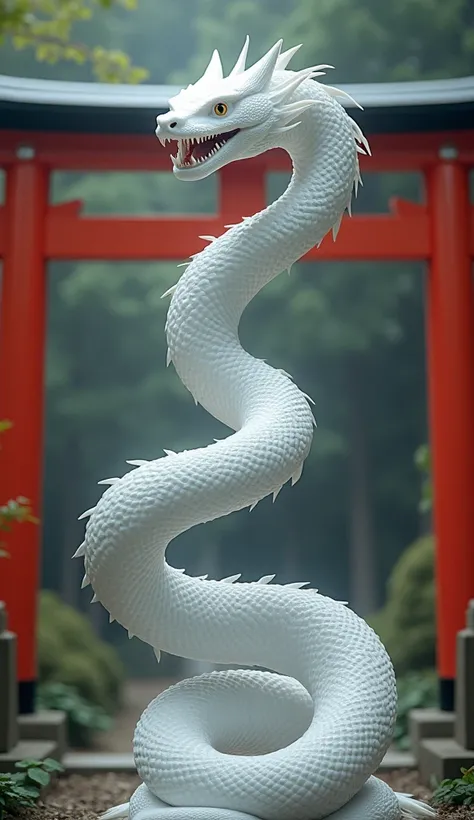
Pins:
<point x="406" y="624"/>
<point x="84" y="719"/>
<point x="417" y="690"/>
<point x="457" y="792"/>
<point x="22" y="788"/>
<point x="69" y="652"/>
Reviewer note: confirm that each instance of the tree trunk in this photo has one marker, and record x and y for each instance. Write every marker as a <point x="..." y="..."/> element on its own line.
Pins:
<point x="363" y="588"/>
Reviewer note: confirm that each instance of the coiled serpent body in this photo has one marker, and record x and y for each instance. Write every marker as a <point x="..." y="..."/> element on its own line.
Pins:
<point x="301" y="744"/>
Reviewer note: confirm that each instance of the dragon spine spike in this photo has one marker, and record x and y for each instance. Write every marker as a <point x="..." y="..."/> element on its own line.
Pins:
<point x="214" y="69"/>
<point x="170" y="452"/>
<point x="285" y="57"/>
<point x="291" y="110"/>
<point x="130" y="635"/>
<point x="85" y="581"/>
<point x="241" y="61"/>
<point x="285" y="373"/>
<point x="172" y="289"/>
<point x="257" y="78"/>
<point x="157" y="653"/>
<point x="297" y="584"/>
<point x="231" y="579"/>
<point x="360" y="137"/>
<point x="338" y="92"/>
<point x="137" y="462"/>
<point x="168" y="358"/>
<point x="81" y="551"/>
<point x="109" y="481"/>
<point x="308" y="398"/>
<point x="265" y="579"/>
<point x="275" y="494"/>
<point x="208" y="237"/>
<point x="284" y="128"/>
<point x="94" y="599"/>
<point x="287" y="87"/>
<point x="357" y="182"/>
<point x="201" y="577"/>
<point x="296" y="477"/>
<point x="335" y="228"/>
<point x="349" y="207"/>
<point x="111" y="618"/>
<point x="86" y="513"/>
<point x="252" y="506"/>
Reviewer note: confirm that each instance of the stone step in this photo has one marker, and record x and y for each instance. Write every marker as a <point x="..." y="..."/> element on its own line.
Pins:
<point x="441" y="758"/>
<point x="48" y="724"/>
<point x="34" y="749"/>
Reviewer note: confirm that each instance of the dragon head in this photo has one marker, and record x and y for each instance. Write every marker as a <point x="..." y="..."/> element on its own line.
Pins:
<point x="222" y="119"/>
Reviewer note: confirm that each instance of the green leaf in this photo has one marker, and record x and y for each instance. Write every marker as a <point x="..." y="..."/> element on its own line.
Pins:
<point x="39" y="776"/>
<point x="27" y="791"/>
<point x="51" y="765"/>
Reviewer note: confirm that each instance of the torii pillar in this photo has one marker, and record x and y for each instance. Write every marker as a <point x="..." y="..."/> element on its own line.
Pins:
<point x="22" y="341"/>
<point x="450" y="348"/>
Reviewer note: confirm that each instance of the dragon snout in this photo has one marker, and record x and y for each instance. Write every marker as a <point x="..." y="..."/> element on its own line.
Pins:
<point x="165" y="123"/>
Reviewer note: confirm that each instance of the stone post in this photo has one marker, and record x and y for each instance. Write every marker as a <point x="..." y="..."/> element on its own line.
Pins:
<point x="464" y="725"/>
<point x="8" y="686"/>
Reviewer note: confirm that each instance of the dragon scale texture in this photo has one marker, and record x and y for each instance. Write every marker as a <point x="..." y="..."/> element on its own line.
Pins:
<point x="303" y="742"/>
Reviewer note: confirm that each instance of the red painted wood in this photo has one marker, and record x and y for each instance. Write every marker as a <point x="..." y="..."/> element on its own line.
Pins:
<point x="444" y="233"/>
<point x="22" y="337"/>
<point x="93" y="152"/>
<point x="362" y="237"/>
<point x="450" y="331"/>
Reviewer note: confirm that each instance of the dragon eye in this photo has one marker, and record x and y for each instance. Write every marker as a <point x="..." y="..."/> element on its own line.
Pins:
<point x="221" y="109"/>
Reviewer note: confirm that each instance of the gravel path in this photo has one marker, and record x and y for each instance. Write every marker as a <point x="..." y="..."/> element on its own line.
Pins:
<point x="80" y="797"/>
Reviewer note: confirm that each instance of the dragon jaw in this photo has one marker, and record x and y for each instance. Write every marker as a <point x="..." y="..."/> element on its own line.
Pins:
<point x="222" y="119"/>
<point x="193" y="151"/>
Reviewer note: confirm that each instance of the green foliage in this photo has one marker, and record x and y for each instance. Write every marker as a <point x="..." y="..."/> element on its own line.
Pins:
<point x="417" y="690"/>
<point x="410" y="40"/>
<point x="22" y="789"/>
<point x="70" y="653"/>
<point x="16" y="510"/>
<point x="423" y="463"/>
<point x="406" y="624"/>
<point x="456" y="792"/>
<point x="110" y="398"/>
<point x="46" y="26"/>
<point x="84" y="719"/>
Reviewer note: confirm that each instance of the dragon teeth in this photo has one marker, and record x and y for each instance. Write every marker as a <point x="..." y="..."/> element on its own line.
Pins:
<point x="184" y="146"/>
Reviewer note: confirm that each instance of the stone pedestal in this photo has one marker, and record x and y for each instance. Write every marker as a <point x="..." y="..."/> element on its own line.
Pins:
<point x="35" y="736"/>
<point x="8" y="685"/>
<point x="426" y="724"/>
<point x="443" y="742"/>
<point x="442" y="758"/>
<point x="464" y="727"/>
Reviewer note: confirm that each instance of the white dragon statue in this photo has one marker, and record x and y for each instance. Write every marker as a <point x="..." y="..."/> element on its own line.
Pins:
<point x="242" y="744"/>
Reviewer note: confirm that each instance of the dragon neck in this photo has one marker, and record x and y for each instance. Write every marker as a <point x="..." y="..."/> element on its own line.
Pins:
<point x="229" y="272"/>
<point x="270" y="413"/>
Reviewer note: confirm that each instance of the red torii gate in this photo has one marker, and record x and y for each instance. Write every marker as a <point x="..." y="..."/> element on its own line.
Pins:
<point x="92" y="128"/>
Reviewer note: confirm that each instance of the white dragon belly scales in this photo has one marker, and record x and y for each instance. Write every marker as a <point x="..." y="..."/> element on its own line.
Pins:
<point x="303" y="743"/>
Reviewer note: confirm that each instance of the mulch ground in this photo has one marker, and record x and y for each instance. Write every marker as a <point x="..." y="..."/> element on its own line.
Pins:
<point x="80" y="797"/>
